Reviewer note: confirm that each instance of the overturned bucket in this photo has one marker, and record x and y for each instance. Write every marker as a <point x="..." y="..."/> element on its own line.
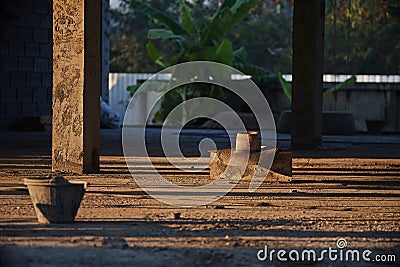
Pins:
<point x="56" y="200"/>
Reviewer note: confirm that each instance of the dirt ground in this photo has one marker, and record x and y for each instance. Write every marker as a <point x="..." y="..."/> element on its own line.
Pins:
<point x="349" y="189"/>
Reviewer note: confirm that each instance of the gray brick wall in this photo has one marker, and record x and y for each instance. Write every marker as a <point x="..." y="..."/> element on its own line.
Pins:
<point x="25" y="60"/>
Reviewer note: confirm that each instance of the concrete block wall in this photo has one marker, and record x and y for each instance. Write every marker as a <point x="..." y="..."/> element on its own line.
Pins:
<point x="367" y="101"/>
<point x="25" y="60"/>
<point x="373" y="101"/>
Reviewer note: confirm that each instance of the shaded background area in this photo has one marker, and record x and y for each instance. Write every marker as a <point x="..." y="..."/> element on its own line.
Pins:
<point x="15" y="144"/>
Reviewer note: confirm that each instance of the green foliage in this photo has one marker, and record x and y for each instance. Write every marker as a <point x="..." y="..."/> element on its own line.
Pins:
<point x="169" y="102"/>
<point x="362" y="36"/>
<point x="287" y="86"/>
<point x="128" y="37"/>
<point x="267" y="36"/>
<point x="158" y="16"/>
<point x="339" y="86"/>
<point x="190" y="40"/>
<point x="187" y="20"/>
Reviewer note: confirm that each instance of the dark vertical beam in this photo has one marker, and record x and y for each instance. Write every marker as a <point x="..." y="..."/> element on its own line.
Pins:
<point x="308" y="59"/>
<point x="76" y="85"/>
<point x="105" y="49"/>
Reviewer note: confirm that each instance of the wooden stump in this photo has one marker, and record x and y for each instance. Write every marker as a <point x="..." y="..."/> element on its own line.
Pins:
<point x="280" y="171"/>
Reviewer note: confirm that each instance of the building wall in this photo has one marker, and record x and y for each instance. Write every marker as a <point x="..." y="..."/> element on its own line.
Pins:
<point x="379" y="101"/>
<point x="367" y="101"/>
<point x="25" y="60"/>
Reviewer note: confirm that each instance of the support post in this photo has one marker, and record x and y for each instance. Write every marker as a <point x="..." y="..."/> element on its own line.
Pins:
<point x="76" y="85"/>
<point x="308" y="59"/>
<point x="105" y="49"/>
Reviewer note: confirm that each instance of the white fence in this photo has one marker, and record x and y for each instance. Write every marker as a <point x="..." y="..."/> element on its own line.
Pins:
<point x="337" y="78"/>
<point x="119" y="97"/>
<point x="118" y="94"/>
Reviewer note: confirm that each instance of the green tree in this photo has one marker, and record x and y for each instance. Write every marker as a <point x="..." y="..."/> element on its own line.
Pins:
<point x="362" y="36"/>
<point x="267" y="35"/>
<point x="128" y="37"/>
<point x="193" y="40"/>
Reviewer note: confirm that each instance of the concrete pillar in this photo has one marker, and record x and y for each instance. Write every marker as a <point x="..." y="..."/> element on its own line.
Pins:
<point x="76" y="85"/>
<point x="308" y="59"/>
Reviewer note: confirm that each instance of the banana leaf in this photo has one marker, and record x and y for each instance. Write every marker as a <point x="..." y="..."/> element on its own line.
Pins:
<point x="158" y="16"/>
<point x="240" y="55"/>
<point x="257" y="73"/>
<point x="240" y="9"/>
<point x="347" y="82"/>
<point x="224" y="53"/>
<point x="162" y="34"/>
<point x="286" y="86"/>
<point x="155" y="55"/>
<point x="225" y="4"/>
<point x="226" y="17"/>
<point x="186" y="18"/>
<point x="215" y="31"/>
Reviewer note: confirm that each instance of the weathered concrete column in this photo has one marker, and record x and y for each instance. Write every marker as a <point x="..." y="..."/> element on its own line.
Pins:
<point x="308" y="59"/>
<point x="76" y="85"/>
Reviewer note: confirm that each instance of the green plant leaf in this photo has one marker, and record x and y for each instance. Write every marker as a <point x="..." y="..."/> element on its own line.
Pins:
<point x="158" y="16"/>
<point x="286" y="86"/>
<point x="132" y="89"/>
<point x="155" y="55"/>
<point x="206" y="53"/>
<point x="347" y="82"/>
<point x="150" y="86"/>
<point x="178" y="45"/>
<point x="225" y="4"/>
<point x="215" y="31"/>
<point x="186" y="18"/>
<point x="240" y="9"/>
<point x="240" y="55"/>
<point x="224" y="53"/>
<point x="169" y="102"/>
<point x="161" y="34"/>
<point x="257" y="73"/>
<point x="227" y="16"/>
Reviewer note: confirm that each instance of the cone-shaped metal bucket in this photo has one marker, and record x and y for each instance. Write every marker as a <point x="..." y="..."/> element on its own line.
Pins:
<point x="56" y="200"/>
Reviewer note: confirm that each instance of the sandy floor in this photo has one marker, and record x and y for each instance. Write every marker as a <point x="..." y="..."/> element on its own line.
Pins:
<point x="347" y="192"/>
